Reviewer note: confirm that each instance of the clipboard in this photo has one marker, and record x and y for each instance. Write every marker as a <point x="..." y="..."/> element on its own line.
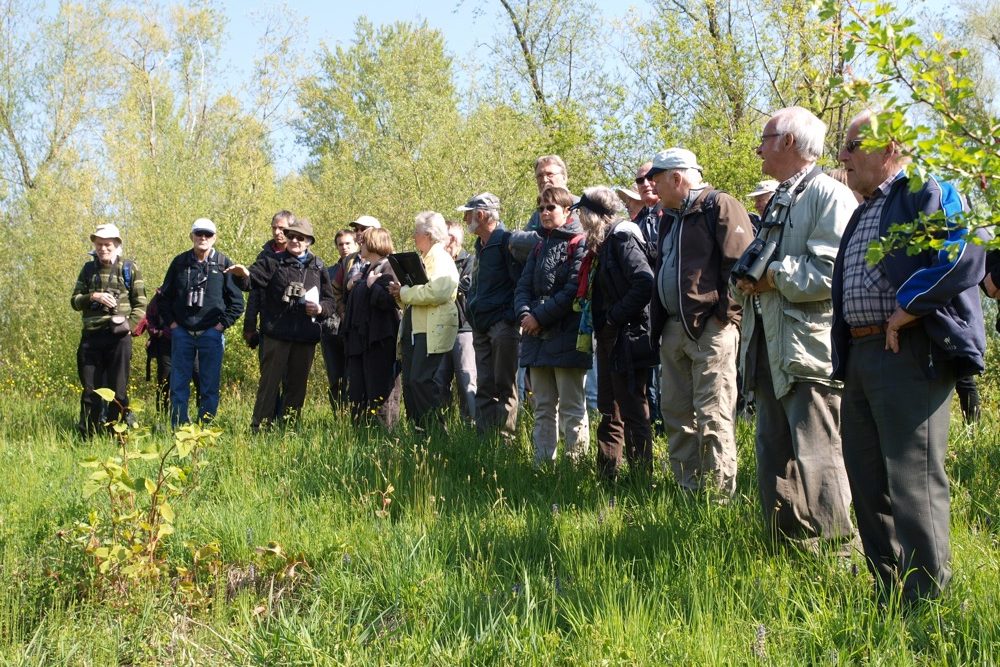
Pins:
<point x="408" y="267"/>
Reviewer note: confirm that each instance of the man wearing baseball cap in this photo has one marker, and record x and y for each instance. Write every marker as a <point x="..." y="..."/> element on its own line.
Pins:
<point x="198" y="302"/>
<point x="490" y="309"/>
<point x="761" y="195"/>
<point x="702" y="234"/>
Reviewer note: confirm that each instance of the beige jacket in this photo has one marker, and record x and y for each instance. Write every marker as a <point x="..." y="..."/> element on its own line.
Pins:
<point x="432" y="304"/>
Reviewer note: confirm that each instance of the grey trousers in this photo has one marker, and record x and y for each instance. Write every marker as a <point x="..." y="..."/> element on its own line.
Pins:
<point x="895" y="427"/>
<point x="496" y="377"/>
<point x="460" y="364"/>
<point x="803" y="486"/>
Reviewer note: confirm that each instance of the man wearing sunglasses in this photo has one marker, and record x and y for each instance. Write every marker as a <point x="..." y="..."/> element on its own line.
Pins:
<point x="903" y="330"/>
<point x="785" y="346"/>
<point x="198" y="302"/>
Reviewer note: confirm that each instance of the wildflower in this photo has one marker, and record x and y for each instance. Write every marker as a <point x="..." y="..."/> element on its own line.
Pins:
<point x="555" y="509"/>
<point x="759" y="648"/>
<point x="346" y="559"/>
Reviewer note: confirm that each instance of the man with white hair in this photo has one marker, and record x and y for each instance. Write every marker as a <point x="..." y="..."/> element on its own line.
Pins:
<point x="702" y="234"/>
<point x="111" y="296"/>
<point x="785" y="353"/>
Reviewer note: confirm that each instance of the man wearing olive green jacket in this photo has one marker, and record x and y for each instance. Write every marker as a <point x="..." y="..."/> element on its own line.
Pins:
<point x="430" y="320"/>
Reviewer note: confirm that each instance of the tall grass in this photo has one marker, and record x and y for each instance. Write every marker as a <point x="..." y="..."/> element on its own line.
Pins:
<point x="478" y="558"/>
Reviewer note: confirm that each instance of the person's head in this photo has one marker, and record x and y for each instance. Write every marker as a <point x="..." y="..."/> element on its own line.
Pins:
<point x="644" y="186"/>
<point x="377" y="244"/>
<point x="345" y="242"/>
<point x="553" y="207"/>
<point x="550" y="171"/>
<point x="762" y="193"/>
<point x="868" y="169"/>
<point x="202" y="236"/>
<point x="279" y="223"/>
<point x="598" y="209"/>
<point x="632" y="200"/>
<point x="675" y="172"/>
<point x="429" y="228"/>
<point x="298" y="237"/>
<point x="481" y="214"/>
<point x="363" y="223"/>
<point x="792" y="139"/>
<point x="107" y="241"/>
<point x="456" y="236"/>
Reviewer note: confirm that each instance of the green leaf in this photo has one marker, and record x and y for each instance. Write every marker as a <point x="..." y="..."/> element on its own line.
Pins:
<point x="105" y="393"/>
<point x="167" y="512"/>
<point x="149" y="485"/>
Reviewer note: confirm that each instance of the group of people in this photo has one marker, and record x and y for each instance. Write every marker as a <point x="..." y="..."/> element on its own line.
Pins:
<point x="671" y="291"/>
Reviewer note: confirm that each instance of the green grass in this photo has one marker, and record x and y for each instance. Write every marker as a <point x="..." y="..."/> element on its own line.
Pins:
<point x="480" y="560"/>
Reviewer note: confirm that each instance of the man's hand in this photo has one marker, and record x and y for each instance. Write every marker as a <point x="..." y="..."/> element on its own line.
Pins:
<point x="313" y="309"/>
<point x="105" y="299"/>
<point x="530" y="326"/>
<point x="992" y="290"/>
<point x="897" y="320"/>
<point x="394" y="288"/>
<point x="238" y="270"/>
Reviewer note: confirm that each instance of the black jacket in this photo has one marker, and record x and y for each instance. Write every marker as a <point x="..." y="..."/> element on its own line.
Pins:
<point x="372" y="314"/>
<point x="284" y="317"/>
<point x="547" y="290"/>
<point x="254" y="297"/>
<point x="221" y="299"/>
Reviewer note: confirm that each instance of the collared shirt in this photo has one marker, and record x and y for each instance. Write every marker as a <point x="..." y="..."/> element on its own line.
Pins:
<point x="869" y="297"/>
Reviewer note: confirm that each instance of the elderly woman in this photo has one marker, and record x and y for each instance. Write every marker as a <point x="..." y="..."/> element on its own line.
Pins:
<point x="543" y="304"/>
<point x="617" y="282"/>
<point x="297" y="294"/>
<point x="430" y="320"/>
<point x="112" y="297"/>
<point x="370" y="327"/>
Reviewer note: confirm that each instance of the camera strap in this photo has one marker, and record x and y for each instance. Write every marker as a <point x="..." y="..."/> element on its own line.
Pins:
<point x="786" y="214"/>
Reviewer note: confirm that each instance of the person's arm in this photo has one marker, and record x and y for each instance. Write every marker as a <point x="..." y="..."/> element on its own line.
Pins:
<point x="439" y="289"/>
<point x="638" y="275"/>
<point x="560" y="303"/>
<point x="168" y="294"/>
<point x="232" y="296"/>
<point x="81" y="297"/>
<point x="137" y="297"/>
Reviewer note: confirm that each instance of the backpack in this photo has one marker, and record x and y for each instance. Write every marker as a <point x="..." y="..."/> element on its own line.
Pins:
<point x="126" y="269"/>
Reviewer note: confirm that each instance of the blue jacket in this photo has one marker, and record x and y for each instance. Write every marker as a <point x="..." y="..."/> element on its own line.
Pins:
<point x="490" y="296"/>
<point x="940" y="289"/>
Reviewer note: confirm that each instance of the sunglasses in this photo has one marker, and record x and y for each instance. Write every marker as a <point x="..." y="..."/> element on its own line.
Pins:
<point x="548" y="207"/>
<point x="639" y="180"/>
<point x="201" y="233"/>
<point x="293" y="236"/>
<point x="852" y="145"/>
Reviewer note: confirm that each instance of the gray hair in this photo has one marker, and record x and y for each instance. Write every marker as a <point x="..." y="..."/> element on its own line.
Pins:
<point x="457" y="230"/>
<point x="432" y="223"/>
<point x="595" y="224"/>
<point x="808" y="130"/>
<point x="551" y="159"/>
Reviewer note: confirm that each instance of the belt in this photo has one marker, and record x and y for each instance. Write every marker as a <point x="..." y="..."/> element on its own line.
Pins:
<point x="876" y="330"/>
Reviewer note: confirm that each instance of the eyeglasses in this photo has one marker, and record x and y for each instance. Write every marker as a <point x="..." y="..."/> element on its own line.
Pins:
<point x="201" y="233"/>
<point x="852" y="145"/>
<point x="639" y="180"/>
<point x="548" y="207"/>
<point x="764" y="137"/>
<point x="294" y="236"/>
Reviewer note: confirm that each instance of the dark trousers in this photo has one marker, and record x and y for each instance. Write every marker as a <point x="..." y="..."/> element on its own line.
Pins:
<point x="281" y="360"/>
<point x="496" y="377"/>
<point x="420" y="393"/>
<point x="895" y="430"/>
<point x="102" y="360"/>
<point x="621" y="400"/>
<point x="335" y="361"/>
<point x="373" y="385"/>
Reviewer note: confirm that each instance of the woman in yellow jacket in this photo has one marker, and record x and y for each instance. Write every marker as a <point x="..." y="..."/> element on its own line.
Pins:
<point x="430" y="320"/>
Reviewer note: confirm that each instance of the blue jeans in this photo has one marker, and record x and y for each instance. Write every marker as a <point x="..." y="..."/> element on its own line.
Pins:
<point x="207" y="345"/>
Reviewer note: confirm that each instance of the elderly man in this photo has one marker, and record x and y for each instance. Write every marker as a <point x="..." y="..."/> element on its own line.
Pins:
<point x="648" y="218"/>
<point x="198" y="302"/>
<point x="111" y="295"/>
<point x="903" y="331"/>
<point x="785" y="356"/>
<point x="490" y="309"/>
<point x="702" y="234"/>
<point x="550" y="170"/>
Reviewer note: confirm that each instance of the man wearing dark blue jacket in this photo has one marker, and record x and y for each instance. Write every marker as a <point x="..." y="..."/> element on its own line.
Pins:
<point x="489" y="308"/>
<point x="903" y="331"/>
<point x="198" y="302"/>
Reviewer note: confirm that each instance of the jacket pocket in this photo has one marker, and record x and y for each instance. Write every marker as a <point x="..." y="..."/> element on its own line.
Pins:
<point x="806" y="340"/>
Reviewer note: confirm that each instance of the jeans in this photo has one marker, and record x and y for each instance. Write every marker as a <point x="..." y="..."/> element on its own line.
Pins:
<point x="185" y="345"/>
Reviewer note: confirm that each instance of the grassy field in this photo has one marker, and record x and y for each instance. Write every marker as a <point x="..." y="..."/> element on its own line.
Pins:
<point x="477" y="559"/>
